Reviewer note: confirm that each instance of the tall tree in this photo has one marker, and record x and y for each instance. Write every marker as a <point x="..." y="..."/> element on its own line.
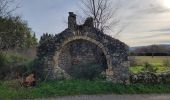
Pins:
<point x="103" y="13"/>
<point x="15" y="33"/>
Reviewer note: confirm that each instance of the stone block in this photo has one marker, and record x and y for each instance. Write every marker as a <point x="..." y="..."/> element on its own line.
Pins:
<point x="109" y="72"/>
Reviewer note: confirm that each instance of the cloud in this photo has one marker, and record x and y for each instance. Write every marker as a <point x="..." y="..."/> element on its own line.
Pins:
<point x="162" y="30"/>
<point x="154" y="10"/>
<point x="145" y="6"/>
<point x="146" y="18"/>
<point x="148" y="40"/>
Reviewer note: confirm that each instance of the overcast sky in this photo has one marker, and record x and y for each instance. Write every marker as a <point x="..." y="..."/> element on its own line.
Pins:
<point x="146" y="21"/>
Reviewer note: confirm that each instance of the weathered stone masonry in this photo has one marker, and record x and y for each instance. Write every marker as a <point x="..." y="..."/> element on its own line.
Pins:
<point x="83" y="44"/>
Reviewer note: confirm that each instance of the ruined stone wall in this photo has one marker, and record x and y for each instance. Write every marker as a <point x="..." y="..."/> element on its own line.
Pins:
<point x="82" y="44"/>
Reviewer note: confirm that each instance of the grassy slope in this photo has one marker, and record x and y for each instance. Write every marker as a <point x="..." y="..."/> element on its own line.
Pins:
<point x="76" y="87"/>
<point x="157" y="61"/>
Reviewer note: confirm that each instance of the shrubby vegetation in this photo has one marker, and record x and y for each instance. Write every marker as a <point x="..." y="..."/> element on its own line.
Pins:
<point x="46" y="41"/>
<point x="12" y="66"/>
<point x="14" y="35"/>
<point x="89" y="71"/>
<point x="147" y="67"/>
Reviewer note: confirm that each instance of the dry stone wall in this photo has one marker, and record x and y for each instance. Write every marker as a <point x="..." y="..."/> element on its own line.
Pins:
<point x="82" y="44"/>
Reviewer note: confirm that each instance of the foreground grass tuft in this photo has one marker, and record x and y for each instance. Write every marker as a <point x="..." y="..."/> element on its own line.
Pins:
<point x="76" y="87"/>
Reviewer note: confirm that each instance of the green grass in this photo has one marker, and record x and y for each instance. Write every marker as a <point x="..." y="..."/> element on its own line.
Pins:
<point x="160" y="69"/>
<point x="76" y="87"/>
<point x="136" y="69"/>
<point x="156" y="61"/>
<point x="149" y="59"/>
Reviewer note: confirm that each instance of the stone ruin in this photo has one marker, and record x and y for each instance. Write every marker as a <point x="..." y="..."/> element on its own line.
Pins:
<point x="83" y="44"/>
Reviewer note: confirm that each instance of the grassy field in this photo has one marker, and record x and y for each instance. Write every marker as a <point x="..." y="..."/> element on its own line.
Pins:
<point x="75" y="87"/>
<point x="153" y="60"/>
<point x="156" y="61"/>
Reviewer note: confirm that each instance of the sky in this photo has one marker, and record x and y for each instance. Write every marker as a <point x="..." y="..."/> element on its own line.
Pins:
<point x="144" y="22"/>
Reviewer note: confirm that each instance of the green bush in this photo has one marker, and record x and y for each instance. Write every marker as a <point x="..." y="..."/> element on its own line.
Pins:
<point x="3" y="60"/>
<point x="12" y="65"/>
<point x="86" y="71"/>
<point x="25" y="68"/>
<point x="4" y="68"/>
<point x="147" y="67"/>
<point x="36" y="67"/>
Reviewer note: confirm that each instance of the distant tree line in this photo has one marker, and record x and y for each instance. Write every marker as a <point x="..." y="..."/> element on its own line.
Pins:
<point x="153" y="50"/>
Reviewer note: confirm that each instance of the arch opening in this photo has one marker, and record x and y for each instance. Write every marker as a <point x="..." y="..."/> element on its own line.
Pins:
<point x="82" y="56"/>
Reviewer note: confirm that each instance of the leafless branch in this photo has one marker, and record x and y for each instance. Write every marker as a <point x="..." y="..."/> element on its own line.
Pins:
<point x="6" y="8"/>
<point x="104" y="13"/>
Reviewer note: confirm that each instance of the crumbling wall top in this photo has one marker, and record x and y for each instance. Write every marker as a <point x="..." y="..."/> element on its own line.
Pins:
<point x="72" y="23"/>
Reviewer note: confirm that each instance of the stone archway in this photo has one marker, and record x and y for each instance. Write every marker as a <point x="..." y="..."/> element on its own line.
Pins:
<point x="115" y="51"/>
<point x="108" y="70"/>
<point x="82" y="57"/>
<point x="75" y="38"/>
